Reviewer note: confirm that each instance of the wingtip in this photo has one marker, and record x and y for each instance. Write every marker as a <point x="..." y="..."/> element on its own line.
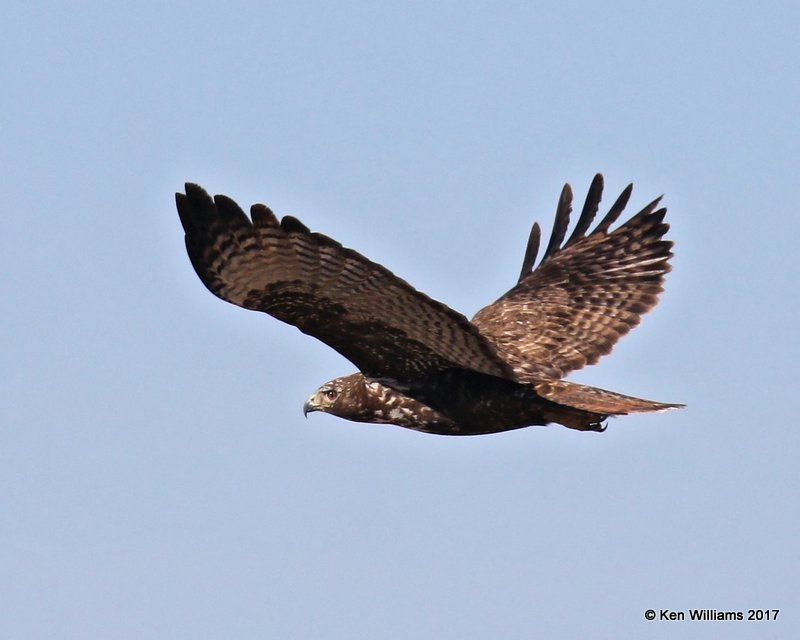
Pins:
<point x="531" y="251"/>
<point x="193" y="206"/>
<point x="566" y="195"/>
<point x="615" y="211"/>
<point x="262" y="216"/>
<point x="654" y="203"/>
<point x="590" y="206"/>
<point x="560" y="223"/>
<point x="194" y="190"/>
<point x="290" y="224"/>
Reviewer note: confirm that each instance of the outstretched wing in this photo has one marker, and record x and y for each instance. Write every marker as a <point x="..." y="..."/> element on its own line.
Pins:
<point x="380" y="323"/>
<point x="585" y="294"/>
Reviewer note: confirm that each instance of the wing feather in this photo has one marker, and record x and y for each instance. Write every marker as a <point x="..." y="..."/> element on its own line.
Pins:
<point x="583" y="296"/>
<point x="560" y="223"/>
<point x="590" y="208"/>
<point x="389" y="330"/>
<point x="531" y="251"/>
<point x="616" y="210"/>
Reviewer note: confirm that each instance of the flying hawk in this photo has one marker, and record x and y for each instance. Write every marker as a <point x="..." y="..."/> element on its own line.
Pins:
<point x="422" y="365"/>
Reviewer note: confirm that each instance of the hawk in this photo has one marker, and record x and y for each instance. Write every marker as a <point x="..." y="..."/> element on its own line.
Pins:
<point x="422" y="365"/>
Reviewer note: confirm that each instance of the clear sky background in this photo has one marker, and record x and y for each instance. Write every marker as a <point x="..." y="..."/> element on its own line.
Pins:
<point x="157" y="478"/>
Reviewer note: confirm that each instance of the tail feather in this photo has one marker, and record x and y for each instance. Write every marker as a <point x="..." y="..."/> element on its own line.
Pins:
<point x="596" y="400"/>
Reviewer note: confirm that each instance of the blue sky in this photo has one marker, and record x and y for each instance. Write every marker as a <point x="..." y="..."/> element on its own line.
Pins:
<point x="157" y="478"/>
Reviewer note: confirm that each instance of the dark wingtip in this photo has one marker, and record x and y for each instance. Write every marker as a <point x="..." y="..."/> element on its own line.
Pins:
<point x="195" y="192"/>
<point x="590" y="207"/>
<point x="262" y="216"/>
<point x="654" y="204"/>
<point x="560" y="223"/>
<point x="531" y="251"/>
<point x="227" y="209"/>
<point x="616" y="210"/>
<point x="191" y="205"/>
<point x="290" y="224"/>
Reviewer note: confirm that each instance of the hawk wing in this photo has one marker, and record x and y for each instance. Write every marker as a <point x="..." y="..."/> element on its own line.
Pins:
<point x="585" y="294"/>
<point x="385" y="327"/>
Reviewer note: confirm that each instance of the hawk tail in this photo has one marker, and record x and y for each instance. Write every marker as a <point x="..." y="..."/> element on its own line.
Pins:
<point x="599" y="401"/>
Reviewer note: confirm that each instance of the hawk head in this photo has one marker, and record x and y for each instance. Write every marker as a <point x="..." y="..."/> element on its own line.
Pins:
<point x="343" y="397"/>
<point x="355" y="398"/>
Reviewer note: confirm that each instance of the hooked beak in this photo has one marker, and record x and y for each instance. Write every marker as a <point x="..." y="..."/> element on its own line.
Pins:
<point x="310" y="406"/>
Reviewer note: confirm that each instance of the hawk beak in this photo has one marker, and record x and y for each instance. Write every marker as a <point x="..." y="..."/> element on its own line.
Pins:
<point x="310" y="406"/>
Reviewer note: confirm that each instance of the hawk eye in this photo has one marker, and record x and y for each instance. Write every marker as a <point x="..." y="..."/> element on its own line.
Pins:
<point x="330" y="394"/>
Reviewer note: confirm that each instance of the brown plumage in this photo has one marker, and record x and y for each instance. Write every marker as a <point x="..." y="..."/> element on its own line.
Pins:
<point x="423" y="365"/>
